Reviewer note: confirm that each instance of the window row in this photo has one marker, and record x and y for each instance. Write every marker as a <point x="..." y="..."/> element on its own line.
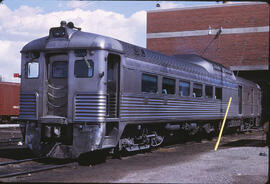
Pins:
<point x="150" y="85"/>
<point x="82" y="69"/>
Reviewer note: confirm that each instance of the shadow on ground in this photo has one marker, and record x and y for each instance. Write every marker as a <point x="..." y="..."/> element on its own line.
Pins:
<point x="16" y="153"/>
<point x="245" y="143"/>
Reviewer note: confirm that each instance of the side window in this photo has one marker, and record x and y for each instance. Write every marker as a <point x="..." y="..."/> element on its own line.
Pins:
<point x="149" y="83"/>
<point x="60" y="69"/>
<point x="197" y="90"/>
<point x="252" y="100"/>
<point x="218" y="93"/>
<point x="184" y="88"/>
<point x="209" y="91"/>
<point x="84" y="68"/>
<point x="32" y="70"/>
<point x="168" y="86"/>
<point x="240" y="97"/>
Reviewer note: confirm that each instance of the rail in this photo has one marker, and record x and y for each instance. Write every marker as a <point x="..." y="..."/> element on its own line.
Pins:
<point x="10" y="126"/>
<point x="34" y="169"/>
<point x="20" y="161"/>
<point x="10" y="140"/>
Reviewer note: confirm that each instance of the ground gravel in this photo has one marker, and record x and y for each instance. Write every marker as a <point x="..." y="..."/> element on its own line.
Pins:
<point x="232" y="165"/>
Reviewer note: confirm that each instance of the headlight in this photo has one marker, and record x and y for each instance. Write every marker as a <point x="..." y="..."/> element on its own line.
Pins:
<point x="58" y="32"/>
<point x="57" y="131"/>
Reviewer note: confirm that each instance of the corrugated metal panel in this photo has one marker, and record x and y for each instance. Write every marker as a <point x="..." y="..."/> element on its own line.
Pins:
<point x="28" y="106"/>
<point x="89" y="107"/>
<point x="134" y="107"/>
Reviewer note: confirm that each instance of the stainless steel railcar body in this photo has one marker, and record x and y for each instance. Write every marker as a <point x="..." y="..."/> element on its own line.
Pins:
<point x="80" y="92"/>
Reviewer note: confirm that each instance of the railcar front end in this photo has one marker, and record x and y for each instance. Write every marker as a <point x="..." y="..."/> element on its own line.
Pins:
<point x="64" y="92"/>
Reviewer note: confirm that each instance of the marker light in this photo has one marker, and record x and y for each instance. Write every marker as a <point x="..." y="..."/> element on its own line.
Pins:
<point x="16" y="75"/>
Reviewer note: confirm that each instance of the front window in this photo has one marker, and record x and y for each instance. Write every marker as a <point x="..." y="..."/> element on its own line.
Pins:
<point x="84" y="68"/>
<point x="32" y="70"/>
<point x="60" y="69"/>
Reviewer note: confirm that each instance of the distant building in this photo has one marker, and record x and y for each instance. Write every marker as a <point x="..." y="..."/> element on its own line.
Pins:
<point x="234" y="34"/>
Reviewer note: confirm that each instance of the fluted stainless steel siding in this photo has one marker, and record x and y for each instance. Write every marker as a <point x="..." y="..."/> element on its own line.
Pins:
<point x="89" y="107"/>
<point x="28" y="106"/>
<point x="139" y="108"/>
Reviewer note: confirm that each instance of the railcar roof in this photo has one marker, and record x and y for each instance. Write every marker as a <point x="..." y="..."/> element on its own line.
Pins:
<point x="193" y="58"/>
<point x="150" y="56"/>
<point x="79" y="39"/>
<point x="76" y="40"/>
<point x="247" y="82"/>
<point x="10" y="83"/>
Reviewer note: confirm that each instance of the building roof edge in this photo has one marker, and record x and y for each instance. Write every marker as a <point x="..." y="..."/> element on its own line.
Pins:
<point x="206" y="6"/>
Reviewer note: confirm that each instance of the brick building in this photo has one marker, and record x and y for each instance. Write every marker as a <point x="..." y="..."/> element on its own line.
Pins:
<point x="235" y="35"/>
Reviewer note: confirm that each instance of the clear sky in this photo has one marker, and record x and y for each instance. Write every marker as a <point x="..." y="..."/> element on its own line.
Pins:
<point x="22" y="21"/>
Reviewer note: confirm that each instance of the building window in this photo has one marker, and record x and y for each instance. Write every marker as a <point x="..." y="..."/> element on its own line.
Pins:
<point x="168" y="86"/>
<point x="184" y="88"/>
<point x="218" y="93"/>
<point x="84" y="68"/>
<point x="60" y="69"/>
<point x="149" y="83"/>
<point x="32" y="70"/>
<point x="209" y="91"/>
<point x="197" y="90"/>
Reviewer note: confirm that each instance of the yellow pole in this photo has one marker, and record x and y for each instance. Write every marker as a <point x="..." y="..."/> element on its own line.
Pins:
<point x="223" y="123"/>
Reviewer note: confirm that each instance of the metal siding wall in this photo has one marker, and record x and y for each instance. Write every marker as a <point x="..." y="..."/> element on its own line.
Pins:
<point x="89" y="107"/>
<point x="136" y="107"/>
<point x="28" y="106"/>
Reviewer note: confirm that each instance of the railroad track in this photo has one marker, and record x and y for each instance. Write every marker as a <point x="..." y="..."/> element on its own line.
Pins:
<point x="10" y="140"/>
<point x="11" y="169"/>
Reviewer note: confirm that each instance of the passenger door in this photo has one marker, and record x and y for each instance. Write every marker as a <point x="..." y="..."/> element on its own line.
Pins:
<point x="57" y="73"/>
<point x="113" y="86"/>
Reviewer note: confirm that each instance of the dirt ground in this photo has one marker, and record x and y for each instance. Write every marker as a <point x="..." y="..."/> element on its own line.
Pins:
<point x="241" y="158"/>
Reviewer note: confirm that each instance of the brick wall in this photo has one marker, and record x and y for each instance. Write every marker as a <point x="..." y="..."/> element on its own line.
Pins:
<point x="228" y="49"/>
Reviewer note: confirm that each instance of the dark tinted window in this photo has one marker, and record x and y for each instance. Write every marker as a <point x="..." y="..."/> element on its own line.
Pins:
<point x="184" y="88"/>
<point x="218" y="93"/>
<point x="240" y="97"/>
<point x="84" y="68"/>
<point x="209" y="91"/>
<point x="149" y="83"/>
<point x="168" y="86"/>
<point x="197" y="90"/>
<point x="60" y="69"/>
<point x="252" y="101"/>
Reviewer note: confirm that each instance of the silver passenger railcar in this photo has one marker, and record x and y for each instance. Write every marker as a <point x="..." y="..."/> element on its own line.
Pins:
<point x="82" y="92"/>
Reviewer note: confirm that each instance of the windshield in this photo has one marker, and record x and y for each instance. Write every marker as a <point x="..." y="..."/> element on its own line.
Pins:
<point x="84" y="68"/>
<point x="60" y="69"/>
